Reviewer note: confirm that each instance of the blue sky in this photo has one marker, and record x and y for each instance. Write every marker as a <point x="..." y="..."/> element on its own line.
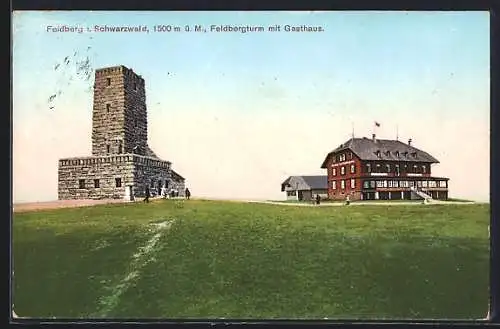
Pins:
<point x="274" y="92"/>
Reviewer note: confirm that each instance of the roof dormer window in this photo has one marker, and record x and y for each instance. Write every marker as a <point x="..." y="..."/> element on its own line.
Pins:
<point x="378" y="153"/>
<point x="414" y="154"/>
<point x="388" y="153"/>
<point x="397" y="153"/>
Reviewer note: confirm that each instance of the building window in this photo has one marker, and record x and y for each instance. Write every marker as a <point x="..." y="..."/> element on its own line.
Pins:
<point x="397" y="154"/>
<point x="81" y="183"/>
<point x="442" y="183"/>
<point x="412" y="184"/>
<point x="389" y="183"/>
<point x="388" y="168"/>
<point x="424" y="169"/>
<point x="397" y="170"/>
<point x="415" y="168"/>
<point x="419" y="183"/>
<point x="424" y="183"/>
<point x="380" y="183"/>
<point x="290" y="193"/>
<point x="395" y="183"/>
<point x="108" y="81"/>
<point x="96" y="183"/>
<point x="432" y="183"/>
<point x="135" y="86"/>
<point x="378" y="167"/>
<point x="120" y="148"/>
<point x="353" y="169"/>
<point x="342" y="184"/>
<point x="334" y="185"/>
<point x="334" y="172"/>
<point x="368" y="168"/>
<point x="107" y="148"/>
<point x="342" y="170"/>
<point x="366" y="184"/>
<point x="353" y="183"/>
<point x="118" y="182"/>
<point x="108" y="107"/>
<point x="378" y="153"/>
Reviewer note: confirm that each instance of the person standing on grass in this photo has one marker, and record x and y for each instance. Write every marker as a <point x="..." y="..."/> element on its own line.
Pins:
<point x="187" y="193"/>
<point x="146" y="199"/>
<point x="318" y="199"/>
<point x="347" y="200"/>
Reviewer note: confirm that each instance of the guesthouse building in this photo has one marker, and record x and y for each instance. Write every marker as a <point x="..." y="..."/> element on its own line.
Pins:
<point x="381" y="169"/>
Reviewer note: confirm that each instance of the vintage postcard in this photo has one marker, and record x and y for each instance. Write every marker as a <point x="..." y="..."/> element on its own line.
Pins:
<point x="251" y="165"/>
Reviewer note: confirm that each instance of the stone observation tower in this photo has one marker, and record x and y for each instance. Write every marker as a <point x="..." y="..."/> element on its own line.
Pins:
<point x="122" y="165"/>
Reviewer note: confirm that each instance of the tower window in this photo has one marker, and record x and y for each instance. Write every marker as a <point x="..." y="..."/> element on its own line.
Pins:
<point x="81" y="183"/>
<point x="107" y="148"/>
<point x="96" y="183"/>
<point x="135" y="86"/>
<point x="108" y="81"/>
<point x="108" y="107"/>
<point x="118" y="182"/>
<point x="120" y="148"/>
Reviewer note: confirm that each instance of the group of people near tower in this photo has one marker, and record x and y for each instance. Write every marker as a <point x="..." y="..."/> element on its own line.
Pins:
<point x="172" y="194"/>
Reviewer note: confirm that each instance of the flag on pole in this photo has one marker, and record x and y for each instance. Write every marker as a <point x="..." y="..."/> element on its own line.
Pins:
<point x="377" y="124"/>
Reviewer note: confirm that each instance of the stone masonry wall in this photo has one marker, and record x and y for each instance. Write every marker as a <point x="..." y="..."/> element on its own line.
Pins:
<point x="105" y="169"/>
<point x="119" y="114"/>
<point x="148" y="173"/>
<point x="178" y="185"/>
<point x="135" y="111"/>
<point x="133" y="170"/>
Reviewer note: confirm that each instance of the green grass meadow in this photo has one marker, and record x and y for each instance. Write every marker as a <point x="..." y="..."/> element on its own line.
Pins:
<point x="253" y="261"/>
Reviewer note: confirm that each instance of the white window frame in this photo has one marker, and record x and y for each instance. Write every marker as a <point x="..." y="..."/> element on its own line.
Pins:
<point x="424" y="183"/>
<point x="342" y="184"/>
<point x="353" y="183"/>
<point x="334" y="185"/>
<point x="353" y="169"/>
<point x="342" y="170"/>
<point x="334" y="172"/>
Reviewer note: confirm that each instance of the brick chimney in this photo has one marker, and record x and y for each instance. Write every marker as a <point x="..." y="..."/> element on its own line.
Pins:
<point x="409" y="141"/>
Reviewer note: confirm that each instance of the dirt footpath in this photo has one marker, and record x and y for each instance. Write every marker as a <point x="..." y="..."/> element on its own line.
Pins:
<point x="33" y="206"/>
